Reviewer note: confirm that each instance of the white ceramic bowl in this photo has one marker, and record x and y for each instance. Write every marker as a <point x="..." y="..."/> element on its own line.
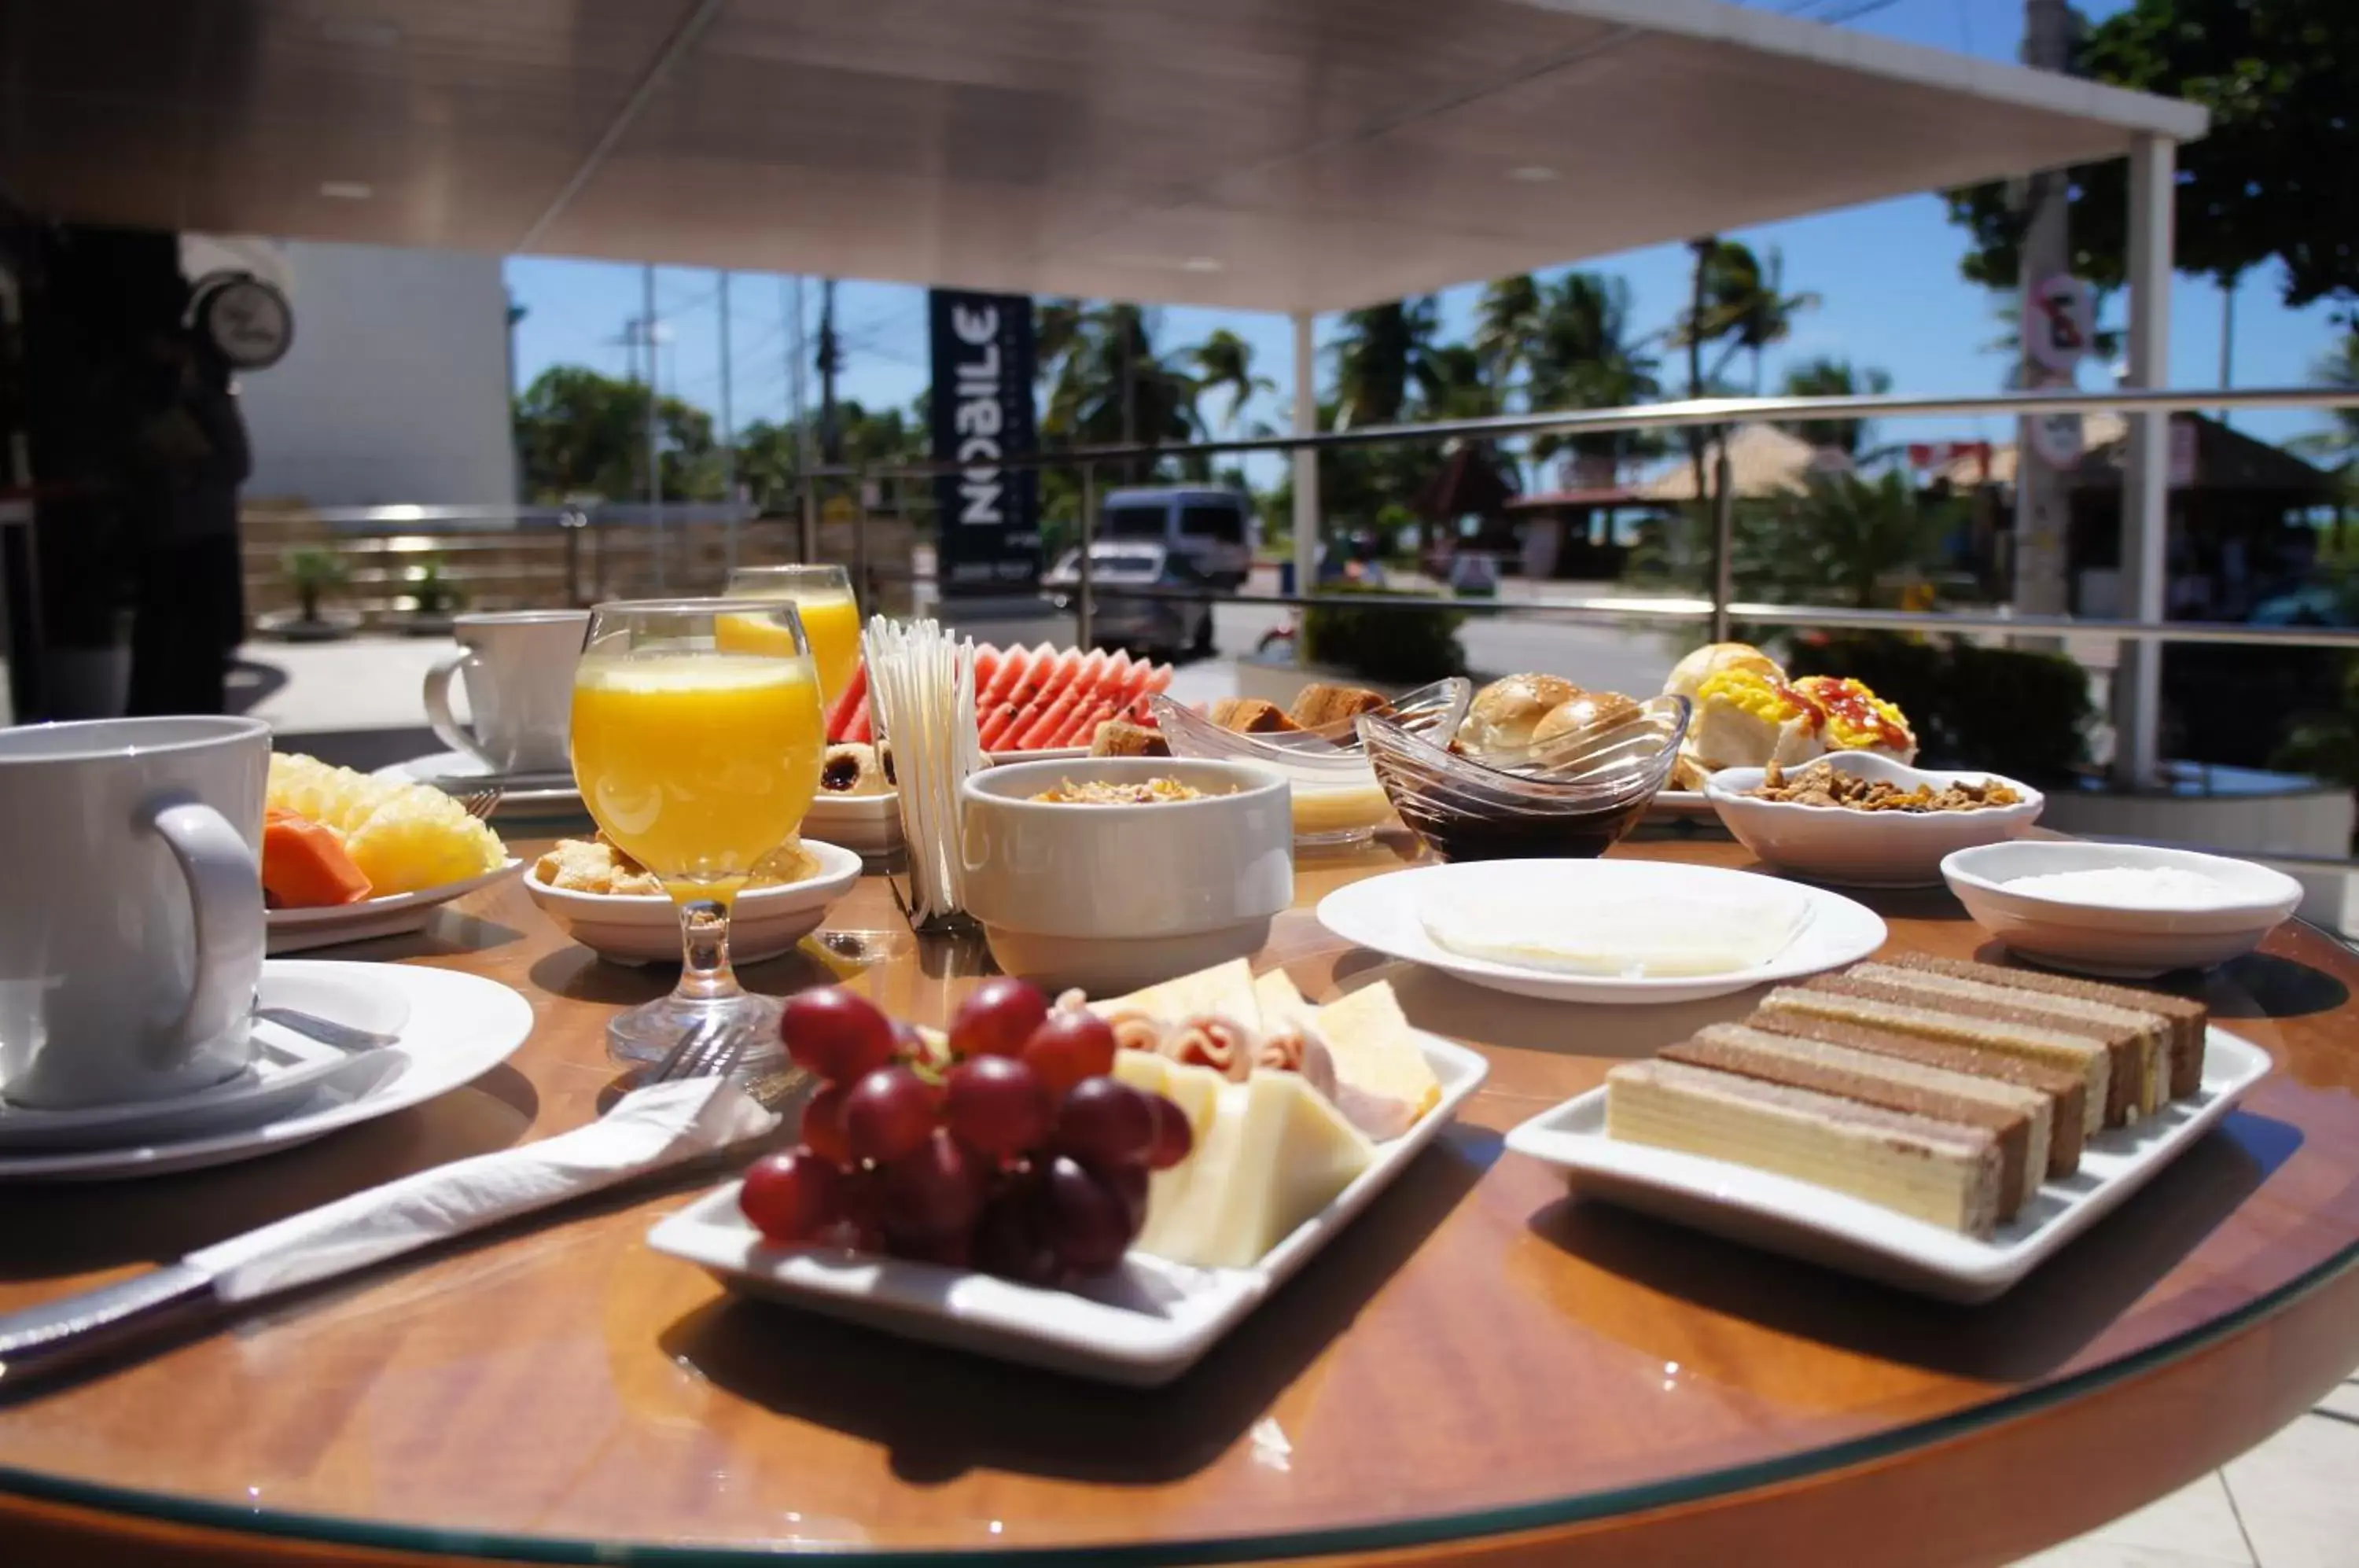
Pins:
<point x="1113" y="897"/>
<point x="2109" y="939"/>
<point x="1865" y="849"/>
<point x="644" y="928"/>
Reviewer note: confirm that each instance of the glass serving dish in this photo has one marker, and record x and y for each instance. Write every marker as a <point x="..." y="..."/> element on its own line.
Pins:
<point x="1337" y="800"/>
<point x="1581" y="797"/>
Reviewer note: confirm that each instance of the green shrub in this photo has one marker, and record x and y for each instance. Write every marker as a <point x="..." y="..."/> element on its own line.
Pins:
<point x="2022" y="713"/>
<point x="1382" y="644"/>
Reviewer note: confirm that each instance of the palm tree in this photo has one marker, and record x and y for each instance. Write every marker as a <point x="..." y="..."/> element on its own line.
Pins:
<point x="1833" y="378"/>
<point x="1458" y="385"/>
<point x="1225" y="359"/>
<point x="1107" y="385"/>
<point x="2337" y="445"/>
<point x="1506" y="324"/>
<point x="1746" y="307"/>
<point x="1584" y="355"/>
<point x="1381" y="358"/>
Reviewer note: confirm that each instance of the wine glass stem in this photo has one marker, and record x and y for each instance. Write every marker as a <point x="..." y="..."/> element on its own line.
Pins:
<point x="704" y="971"/>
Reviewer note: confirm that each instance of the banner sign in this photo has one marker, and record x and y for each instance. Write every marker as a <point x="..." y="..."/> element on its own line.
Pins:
<point x="982" y="408"/>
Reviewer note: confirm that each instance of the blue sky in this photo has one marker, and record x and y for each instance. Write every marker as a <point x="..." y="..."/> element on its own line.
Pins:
<point x="1886" y="274"/>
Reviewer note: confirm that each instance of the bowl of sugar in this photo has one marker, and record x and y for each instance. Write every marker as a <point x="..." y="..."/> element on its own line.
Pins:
<point x="2123" y="911"/>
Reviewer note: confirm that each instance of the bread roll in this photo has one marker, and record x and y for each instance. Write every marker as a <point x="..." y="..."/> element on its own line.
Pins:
<point x="1743" y="720"/>
<point x="1504" y="713"/>
<point x="1712" y="660"/>
<point x="1592" y="714"/>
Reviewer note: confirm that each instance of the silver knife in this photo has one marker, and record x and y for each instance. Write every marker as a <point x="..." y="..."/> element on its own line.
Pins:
<point x="645" y="1130"/>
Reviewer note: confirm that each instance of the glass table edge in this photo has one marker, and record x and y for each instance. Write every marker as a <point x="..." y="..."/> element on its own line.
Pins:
<point x="1424" y="1531"/>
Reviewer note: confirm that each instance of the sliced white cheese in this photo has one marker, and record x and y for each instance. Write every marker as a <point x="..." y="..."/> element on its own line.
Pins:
<point x="1197" y="1092"/>
<point x="1657" y="935"/>
<point x="1381" y="1083"/>
<point x="1224" y="991"/>
<point x="1280" y="1002"/>
<point x="1277" y="1153"/>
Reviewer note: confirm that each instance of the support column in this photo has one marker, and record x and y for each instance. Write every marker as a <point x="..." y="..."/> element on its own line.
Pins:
<point x="1306" y="462"/>
<point x="2146" y="473"/>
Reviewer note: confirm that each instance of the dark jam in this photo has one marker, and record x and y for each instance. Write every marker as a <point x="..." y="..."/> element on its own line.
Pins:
<point x="1523" y="835"/>
<point x="839" y="774"/>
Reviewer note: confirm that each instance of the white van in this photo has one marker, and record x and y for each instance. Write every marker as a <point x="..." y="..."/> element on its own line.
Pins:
<point x="1212" y="525"/>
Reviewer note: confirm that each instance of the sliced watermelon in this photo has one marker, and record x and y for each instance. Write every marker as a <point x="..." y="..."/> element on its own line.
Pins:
<point x="994" y="711"/>
<point x="854" y="696"/>
<point x="1059" y="714"/>
<point x="1041" y="682"/>
<point x="1006" y="669"/>
<point x="863" y="725"/>
<point x="1057" y="672"/>
<point x="1097" y="705"/>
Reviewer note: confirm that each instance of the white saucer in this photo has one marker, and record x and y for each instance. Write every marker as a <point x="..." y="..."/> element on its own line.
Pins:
<point x="1382" y="913"/>
<point x="299" y="931"/>
<point x="458" y="1028"/>
<point x="522" y="795"/>
<point x="287" y="1067"/>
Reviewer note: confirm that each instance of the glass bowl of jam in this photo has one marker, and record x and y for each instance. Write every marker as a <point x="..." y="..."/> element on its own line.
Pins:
<point x="1337" y="800"/>
<point x="1576" y="802"/>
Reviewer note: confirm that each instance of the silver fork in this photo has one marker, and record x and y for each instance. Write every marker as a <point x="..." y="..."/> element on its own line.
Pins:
<point x="712" y="1049"/>
<point x="480" y="803"/>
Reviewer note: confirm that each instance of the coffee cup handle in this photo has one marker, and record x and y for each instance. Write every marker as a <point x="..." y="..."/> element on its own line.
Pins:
<point x="438" y="704"/>
<point x="225" y="895"/>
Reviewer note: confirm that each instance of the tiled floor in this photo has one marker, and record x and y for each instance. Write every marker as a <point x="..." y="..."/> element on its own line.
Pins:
<point x="2293" y="1502"/>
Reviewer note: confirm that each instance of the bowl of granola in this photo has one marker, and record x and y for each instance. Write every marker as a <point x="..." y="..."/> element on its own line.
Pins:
<point x="1866" y="820"/>
<point x="615" y="907"/>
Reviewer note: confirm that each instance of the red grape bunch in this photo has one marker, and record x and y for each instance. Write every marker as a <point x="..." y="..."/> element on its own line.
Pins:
<point x="1014" y="1150"/>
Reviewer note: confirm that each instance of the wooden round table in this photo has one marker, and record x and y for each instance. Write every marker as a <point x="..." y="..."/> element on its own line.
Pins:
<point x="1480" y="1370"/>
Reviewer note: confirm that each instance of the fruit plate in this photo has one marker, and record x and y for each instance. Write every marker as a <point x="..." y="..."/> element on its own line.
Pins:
<point x="1818" y="1224"/>
<point x="300" y="931"/>
<point x="1142" y="1325"/>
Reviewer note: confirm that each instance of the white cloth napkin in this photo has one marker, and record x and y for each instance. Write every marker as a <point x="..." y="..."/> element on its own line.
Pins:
<point x="649" y="1129"/>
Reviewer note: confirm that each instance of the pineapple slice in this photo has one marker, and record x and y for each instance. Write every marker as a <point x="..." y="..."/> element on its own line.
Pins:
<point x="405" y="838"/>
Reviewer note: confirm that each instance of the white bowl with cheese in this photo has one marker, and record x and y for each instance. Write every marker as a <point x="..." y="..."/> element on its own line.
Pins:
<point x="1111" y="897"/>
<point x="2119" y="910"/>
<point x="1855" y="848"/>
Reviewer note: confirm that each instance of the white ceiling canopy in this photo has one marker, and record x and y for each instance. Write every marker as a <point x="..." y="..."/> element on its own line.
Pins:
<point x="1256" y="154"/>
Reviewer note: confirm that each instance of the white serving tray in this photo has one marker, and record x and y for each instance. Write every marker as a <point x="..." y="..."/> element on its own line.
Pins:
<point x="865" y="825"/>
<point x="1779" y="1213"/>
<point x="1142" y="1325"/>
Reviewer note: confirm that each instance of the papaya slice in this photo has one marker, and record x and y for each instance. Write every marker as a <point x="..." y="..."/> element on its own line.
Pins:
<point x="305" y="866"/>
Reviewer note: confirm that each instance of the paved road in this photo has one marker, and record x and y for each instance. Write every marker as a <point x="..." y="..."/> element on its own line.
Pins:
<point x="1613" y="658"/>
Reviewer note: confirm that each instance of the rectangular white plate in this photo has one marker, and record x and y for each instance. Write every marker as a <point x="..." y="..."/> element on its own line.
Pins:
<point x="1779" y="1213"/>
<point x="865" y="825"/>
<point x="1142" y="1325"/>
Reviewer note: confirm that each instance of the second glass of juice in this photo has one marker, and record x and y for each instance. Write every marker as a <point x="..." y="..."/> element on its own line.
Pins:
<point x="830" y="616"/>
<point x="697" y="741"/>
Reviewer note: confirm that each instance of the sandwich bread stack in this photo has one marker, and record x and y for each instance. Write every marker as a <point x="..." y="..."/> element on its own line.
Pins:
<point x="1940" y="1088"/>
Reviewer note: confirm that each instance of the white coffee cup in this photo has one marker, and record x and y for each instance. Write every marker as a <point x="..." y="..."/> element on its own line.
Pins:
<point x="132" y="932"/>
<point x="519" y="670"/>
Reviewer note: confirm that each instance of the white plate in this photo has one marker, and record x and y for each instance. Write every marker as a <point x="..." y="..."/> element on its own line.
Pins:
<point x="1779" y="1213"/>
<point x="1866" y="849"/>
<point x="287" y="1066"/>
<point x="299" y="931"/>
<point x="1382" y="913"/>
<point x="458" y="1028"/>
<point x="521" y="795"/>
<point x="865" y="825"/>
<point x="644" y="928"/>
<point x="1045" y="754"/>
<point x="1142" y="1325"/>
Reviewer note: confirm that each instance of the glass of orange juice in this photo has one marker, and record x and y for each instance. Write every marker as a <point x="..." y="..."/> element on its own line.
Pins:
<point x="698" y="753"/>
<point x="830" y="616"/>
